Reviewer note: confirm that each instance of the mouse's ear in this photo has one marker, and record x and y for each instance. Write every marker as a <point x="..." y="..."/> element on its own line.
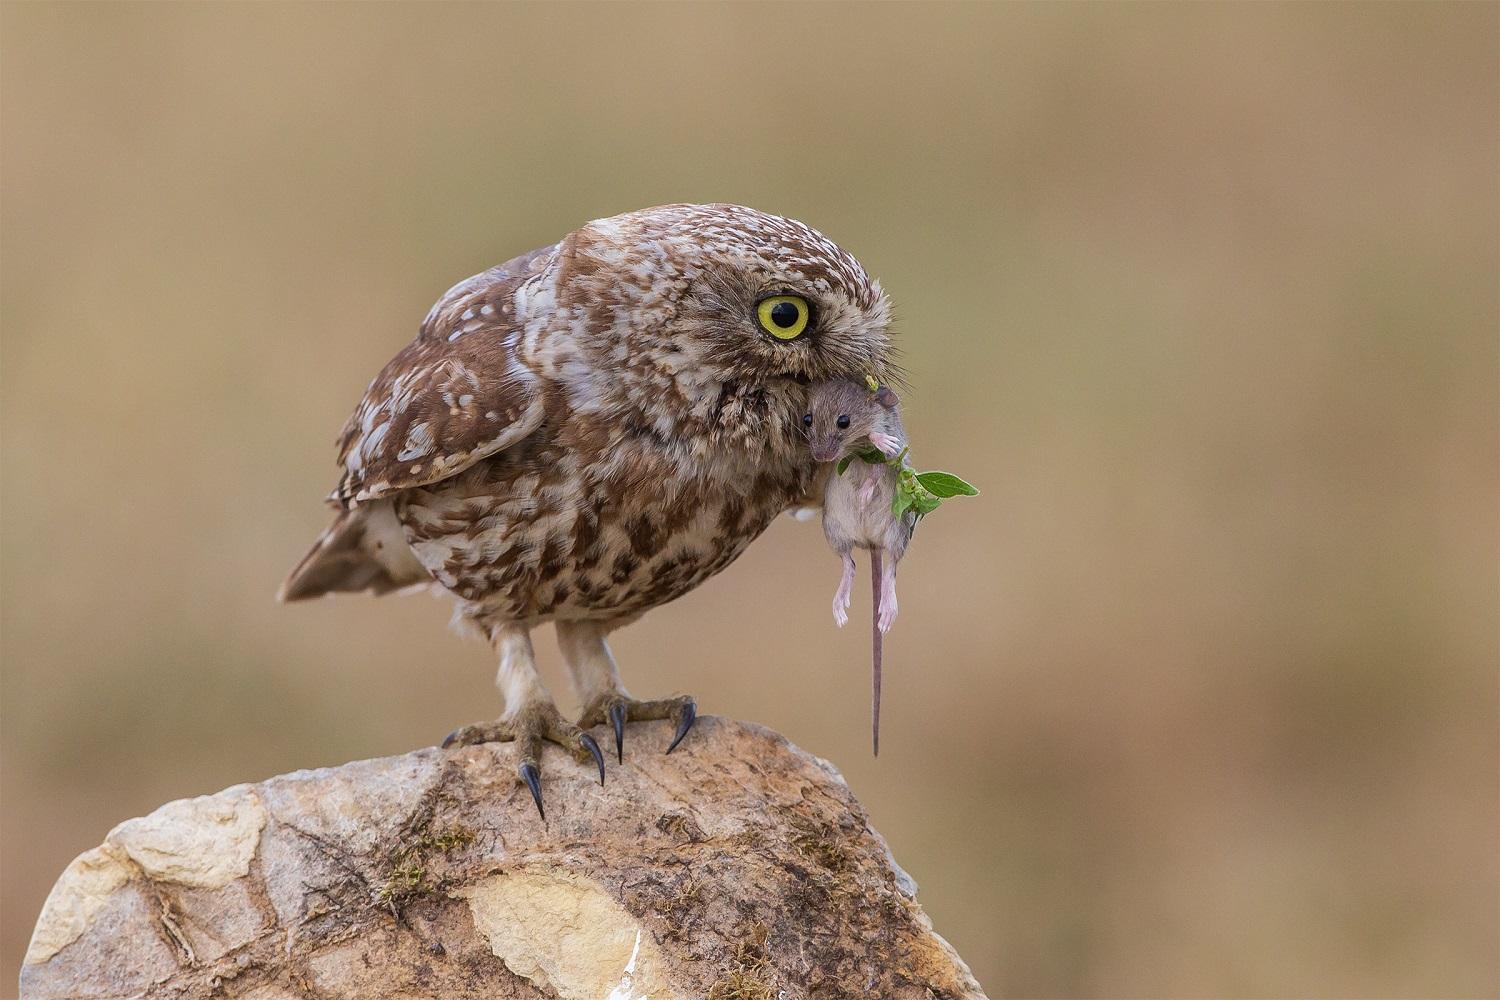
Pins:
<point x="886" y="397"/>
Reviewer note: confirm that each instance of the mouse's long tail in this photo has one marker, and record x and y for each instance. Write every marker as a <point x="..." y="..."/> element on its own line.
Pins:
<point x="875" y="577"/>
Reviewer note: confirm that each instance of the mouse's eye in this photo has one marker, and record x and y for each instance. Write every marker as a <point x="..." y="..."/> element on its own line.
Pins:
<point x="843" y="421"/>
<point x="807" y="420"/>
<point x="783" y="316"/>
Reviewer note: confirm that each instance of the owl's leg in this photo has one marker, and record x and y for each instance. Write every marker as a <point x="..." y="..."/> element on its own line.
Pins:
<point x="530" y="715"/>
<point x="597" y="681"/>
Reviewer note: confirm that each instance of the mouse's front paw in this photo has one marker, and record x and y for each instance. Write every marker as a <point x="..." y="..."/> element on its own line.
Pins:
<point x="887" y="444"/>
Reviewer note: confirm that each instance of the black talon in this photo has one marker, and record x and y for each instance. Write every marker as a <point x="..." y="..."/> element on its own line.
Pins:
<point x="534" y="782"/>
<point x="689" y="715"/>
<point x="593" y="748"/>
<point x="617" y="720"/>
<point x="448" y="740"/>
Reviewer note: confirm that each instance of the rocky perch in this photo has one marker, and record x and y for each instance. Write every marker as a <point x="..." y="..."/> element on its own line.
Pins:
<point x="738" y="868"/>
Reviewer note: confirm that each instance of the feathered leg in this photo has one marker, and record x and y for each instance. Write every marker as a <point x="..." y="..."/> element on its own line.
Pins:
<point x="597" y="681"/>
<point x="530" y="715"/>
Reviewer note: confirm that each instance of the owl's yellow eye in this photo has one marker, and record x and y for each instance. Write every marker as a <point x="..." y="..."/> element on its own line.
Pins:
<point x="783" y="316"/>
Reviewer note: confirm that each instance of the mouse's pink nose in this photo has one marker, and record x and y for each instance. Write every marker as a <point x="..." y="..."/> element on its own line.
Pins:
<point x="825" y="452"/>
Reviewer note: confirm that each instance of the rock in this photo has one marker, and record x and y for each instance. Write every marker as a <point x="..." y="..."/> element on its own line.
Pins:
<point x="738" y="868"/>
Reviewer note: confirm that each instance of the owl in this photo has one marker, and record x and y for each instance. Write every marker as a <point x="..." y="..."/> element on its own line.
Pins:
<point x="590" y="430"/>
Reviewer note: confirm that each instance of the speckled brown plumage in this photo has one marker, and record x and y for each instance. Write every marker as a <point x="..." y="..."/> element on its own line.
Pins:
<point x="594" y="428"/>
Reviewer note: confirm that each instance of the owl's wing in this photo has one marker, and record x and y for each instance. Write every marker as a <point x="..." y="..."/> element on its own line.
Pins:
<point x="455" y="395"/>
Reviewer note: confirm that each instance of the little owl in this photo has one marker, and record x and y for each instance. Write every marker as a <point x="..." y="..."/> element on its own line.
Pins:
<point x="590" y="430"/>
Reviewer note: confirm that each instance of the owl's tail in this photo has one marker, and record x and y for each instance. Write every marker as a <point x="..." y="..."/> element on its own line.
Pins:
<point x="363" y="549"/>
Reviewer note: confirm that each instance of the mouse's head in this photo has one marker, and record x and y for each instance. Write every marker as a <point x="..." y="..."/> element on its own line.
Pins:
<point x="841" y="416"/>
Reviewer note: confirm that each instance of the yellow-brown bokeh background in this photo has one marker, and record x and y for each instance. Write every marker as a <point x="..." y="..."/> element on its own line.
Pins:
<point x="1199" y="698"/>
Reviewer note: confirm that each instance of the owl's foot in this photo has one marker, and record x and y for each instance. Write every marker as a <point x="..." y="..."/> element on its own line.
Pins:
<point x="618" y="709"/>
<point x="528" y="727"/>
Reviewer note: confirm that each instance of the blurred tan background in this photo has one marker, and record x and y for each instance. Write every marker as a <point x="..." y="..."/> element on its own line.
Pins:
<point x="1198" y="699"/>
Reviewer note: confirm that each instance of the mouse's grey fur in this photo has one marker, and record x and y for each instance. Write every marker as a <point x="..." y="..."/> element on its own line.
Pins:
<point x="857" y="504"/>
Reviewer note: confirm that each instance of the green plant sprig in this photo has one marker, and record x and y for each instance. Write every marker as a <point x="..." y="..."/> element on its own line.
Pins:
<point x="919" y="492"/>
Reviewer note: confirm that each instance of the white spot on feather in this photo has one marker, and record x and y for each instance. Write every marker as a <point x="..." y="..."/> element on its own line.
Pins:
<point x="418" y="442"/>
<point x="404" y="389"/>
<point x="373" y="439"/>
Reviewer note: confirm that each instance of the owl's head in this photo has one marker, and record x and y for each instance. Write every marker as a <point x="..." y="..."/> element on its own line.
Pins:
<point x="753" y="297"/>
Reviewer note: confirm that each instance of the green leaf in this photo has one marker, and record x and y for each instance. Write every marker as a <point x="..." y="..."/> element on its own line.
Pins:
<point x="925" y="503"/>
<point x="946" y="484"/>
<point x="844" y="464"/>
<point x="904" y="496"/>
<point x="910" y="495"/>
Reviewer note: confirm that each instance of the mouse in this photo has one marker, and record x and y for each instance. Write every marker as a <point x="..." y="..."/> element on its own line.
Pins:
<point x="844" y="420"/>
